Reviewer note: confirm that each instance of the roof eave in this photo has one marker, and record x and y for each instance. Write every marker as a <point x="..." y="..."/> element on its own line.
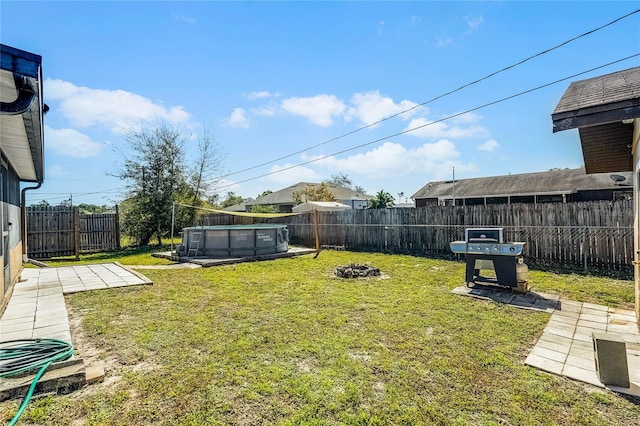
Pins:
<point x="22" y="63"/>
<point x="591" y="116"/>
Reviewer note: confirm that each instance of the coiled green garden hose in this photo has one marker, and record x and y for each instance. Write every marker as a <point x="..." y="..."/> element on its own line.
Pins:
<point x="21" y="356"/>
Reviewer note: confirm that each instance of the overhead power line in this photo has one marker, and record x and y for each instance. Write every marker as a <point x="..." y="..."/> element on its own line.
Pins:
<point x="81" y="193"/>
<point x="464" y="86"/>
<point x="413" y="129"/>
<point x="65" y="195"/>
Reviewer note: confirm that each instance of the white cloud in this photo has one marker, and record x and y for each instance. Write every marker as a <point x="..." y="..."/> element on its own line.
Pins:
<point x="393" y="160"/>
<point x="466" y="118"/>
<point x="119" y="110"/>
<point x="442" y="42"/>
<point x="414" y="20"/>
<point x="294" y="175"/>
<point x="319" y="109"/>
<point x="380" y="27"/>
<point x="261" y="95"/>
<point x="238" y="118"/>
<point x="264" y="111"/>
<point x="473" y="22"/>
<point x="438" y="130"/>
<point x="489" y="145"/>
<point x="56" y="171"/>
<point x="183" y="18"/>
<point x="71" y="142"/>
<point x="370" y="107"/>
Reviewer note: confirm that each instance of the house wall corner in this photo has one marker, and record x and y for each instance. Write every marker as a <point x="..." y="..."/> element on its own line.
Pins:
<point x="636" y="212"/>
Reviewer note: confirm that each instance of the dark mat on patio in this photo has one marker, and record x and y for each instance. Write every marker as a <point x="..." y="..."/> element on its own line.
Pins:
<point x="531" y="300"/>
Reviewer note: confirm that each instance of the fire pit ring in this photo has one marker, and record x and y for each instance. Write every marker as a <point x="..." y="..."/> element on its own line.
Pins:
<point x="355" y="270"/>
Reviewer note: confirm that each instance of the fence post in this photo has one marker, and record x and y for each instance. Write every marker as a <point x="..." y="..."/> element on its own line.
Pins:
<point x="118" y="228"/>
<point x="75" y="211"/>
<point x="317" y="231"/>
<point x="584" y="247"/>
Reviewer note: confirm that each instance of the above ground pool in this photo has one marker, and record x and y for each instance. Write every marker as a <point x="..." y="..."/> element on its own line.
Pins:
<point x="233" y="240"/>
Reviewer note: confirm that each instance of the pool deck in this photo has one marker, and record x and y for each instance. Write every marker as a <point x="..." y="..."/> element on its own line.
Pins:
<point x="209" y="261"/>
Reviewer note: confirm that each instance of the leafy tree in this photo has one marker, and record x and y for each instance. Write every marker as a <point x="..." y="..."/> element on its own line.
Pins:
<point x="340" y="179"/>
<point x="313" y="193"/>
<point x="358" y="188"/>
<point x="263" y="208"/>
<point x="155" y="176"/>
<point x="344" y="181"/>
<point x="92" y="208"/>
<point x="66" y="203"/>
<point x="267" y="192"/>
<point x="231" y="200"/>
<point x="42" y="203"/>
<point x="213" y="200"/>
<point x="382" y="200"/>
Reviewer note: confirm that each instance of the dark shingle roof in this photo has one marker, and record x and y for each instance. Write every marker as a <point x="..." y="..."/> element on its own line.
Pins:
<point x="285" y="195"/>
<point x="605" y="89"/>
<point x="603" y="109"/>
<point x="555" y="181"/>
<point x="236" y="208"/>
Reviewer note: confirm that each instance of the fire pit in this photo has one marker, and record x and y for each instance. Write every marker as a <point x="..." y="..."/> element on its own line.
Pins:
<point x="355" y="270"/>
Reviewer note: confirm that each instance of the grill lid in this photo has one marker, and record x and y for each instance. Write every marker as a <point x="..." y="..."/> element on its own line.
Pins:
<point x="484" y="235"/>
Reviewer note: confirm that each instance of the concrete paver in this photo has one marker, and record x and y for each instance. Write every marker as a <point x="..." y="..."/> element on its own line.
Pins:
<point x="37" y="308"/>
<point x="546" y="364"/>
<point x="565" y="347"/>
<point x="579" y="364"/>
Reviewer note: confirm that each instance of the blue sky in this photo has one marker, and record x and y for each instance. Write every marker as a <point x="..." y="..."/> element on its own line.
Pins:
<point x="270" y="79"/>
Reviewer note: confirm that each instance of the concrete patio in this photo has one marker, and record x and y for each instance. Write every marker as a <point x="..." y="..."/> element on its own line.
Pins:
<point x="565" y="347"/>
<point x="37" y="308"/>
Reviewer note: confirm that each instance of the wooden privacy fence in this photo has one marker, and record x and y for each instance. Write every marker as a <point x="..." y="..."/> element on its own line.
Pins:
<point x="596" y="234"/>
<point x="63" y="231"/>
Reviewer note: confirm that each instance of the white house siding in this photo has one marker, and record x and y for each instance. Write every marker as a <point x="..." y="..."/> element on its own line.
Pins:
<point x="11" y="249"/>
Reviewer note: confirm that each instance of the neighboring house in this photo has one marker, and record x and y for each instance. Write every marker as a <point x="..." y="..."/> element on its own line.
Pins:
<point x="559" y="186"/>
<point x="404" y="206"/>
<point x="282" y="200"/>
<point x="323" y="206"/>
<point x="21" y="152"/>
<point x="606" y="112"/>
<point x="236" y="208"/>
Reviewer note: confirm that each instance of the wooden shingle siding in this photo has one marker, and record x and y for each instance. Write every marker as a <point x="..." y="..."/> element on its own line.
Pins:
<point x="606" y="148"/>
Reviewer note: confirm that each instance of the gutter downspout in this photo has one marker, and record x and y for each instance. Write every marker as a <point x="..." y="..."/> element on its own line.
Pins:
<point x="23" y="213"/>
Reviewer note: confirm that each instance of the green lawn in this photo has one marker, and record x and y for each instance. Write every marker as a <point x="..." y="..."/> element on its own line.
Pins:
<point x="285" y="342"/>
<point x="126" y="256"/>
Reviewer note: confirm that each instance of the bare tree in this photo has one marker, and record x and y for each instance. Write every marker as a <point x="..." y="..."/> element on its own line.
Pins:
<point x="156" y="175"/>
<point x="207" y="166"/>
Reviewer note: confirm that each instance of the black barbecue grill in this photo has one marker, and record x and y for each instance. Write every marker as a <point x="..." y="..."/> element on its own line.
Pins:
<point x="485" y="249"/>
